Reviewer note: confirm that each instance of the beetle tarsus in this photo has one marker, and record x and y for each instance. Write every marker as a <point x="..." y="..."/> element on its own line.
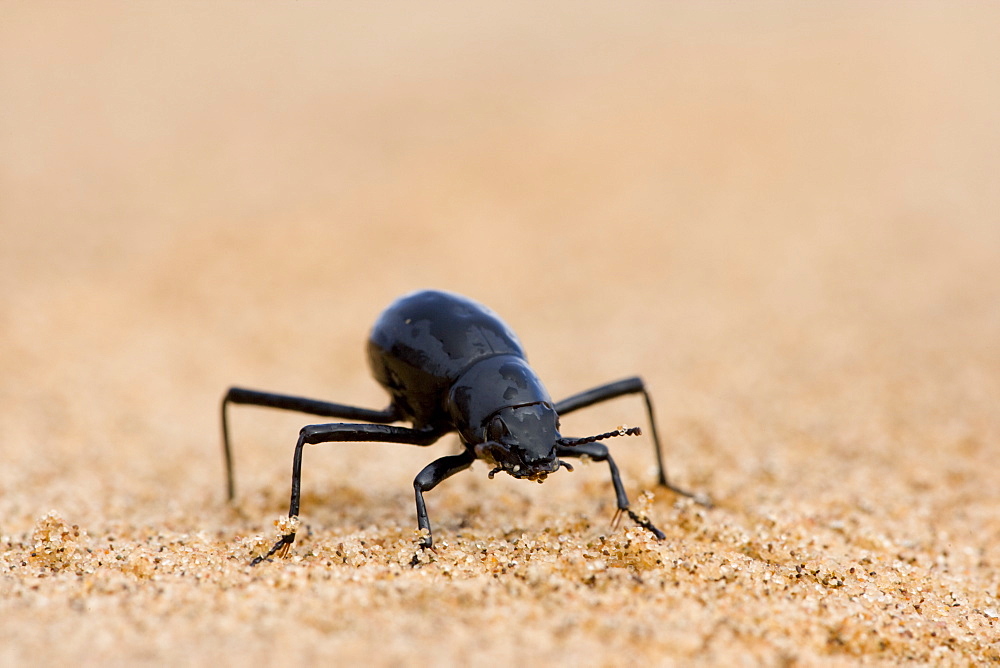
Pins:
<point x="425" y="543"/>
<point x="645" y="524"/>
<point x="638" y="519"/>
<point x="280" y="549"/>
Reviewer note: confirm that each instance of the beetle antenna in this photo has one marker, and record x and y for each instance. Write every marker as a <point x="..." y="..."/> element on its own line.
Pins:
<point x="621" y="431"/>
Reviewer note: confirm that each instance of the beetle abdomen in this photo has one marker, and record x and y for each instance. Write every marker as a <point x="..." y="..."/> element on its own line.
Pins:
<point x="424" y="341"/>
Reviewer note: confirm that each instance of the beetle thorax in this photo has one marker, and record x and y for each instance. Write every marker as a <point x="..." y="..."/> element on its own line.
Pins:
<point x="501" y="409"/>
<point x="487" y="387"/>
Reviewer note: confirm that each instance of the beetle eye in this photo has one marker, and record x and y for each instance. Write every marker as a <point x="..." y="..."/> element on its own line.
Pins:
<point x="497" y="430"/>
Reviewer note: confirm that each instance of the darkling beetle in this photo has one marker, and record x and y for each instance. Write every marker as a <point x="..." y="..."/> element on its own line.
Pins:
<point x="451" y="364"/>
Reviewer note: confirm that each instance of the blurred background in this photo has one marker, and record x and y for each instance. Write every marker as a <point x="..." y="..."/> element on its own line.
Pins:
<point x="784" y="216"/>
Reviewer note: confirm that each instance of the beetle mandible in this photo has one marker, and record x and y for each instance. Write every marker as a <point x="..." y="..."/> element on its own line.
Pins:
<point x="450" y="364"/>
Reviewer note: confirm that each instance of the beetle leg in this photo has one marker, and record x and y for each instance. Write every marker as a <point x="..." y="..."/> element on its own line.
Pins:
<point x="599" y="453"/>
<point x="239" y="395"/>
<point x="619" y="388"/>
<point x="432" y="474"/>
<point x="340" y="432"/>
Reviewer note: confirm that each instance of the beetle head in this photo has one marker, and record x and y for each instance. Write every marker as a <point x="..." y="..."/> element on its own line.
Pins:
<point x="522" y="441"/>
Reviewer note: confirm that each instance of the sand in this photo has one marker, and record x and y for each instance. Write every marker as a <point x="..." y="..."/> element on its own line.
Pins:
<point x="784" y="218"/>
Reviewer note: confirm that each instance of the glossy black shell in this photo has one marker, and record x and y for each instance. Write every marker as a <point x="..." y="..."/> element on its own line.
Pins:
<point x="449" y="363"/>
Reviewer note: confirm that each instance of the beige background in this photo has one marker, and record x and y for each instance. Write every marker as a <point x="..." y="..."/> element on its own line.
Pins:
<point x="784" y="217"/>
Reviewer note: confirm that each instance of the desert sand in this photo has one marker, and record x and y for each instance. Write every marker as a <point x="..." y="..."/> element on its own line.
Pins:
<point x="785" y="218"/>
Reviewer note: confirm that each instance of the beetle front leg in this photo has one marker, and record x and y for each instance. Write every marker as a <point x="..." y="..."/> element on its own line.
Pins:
<point x="428" y="479"/>
<point x="599" y="453"/>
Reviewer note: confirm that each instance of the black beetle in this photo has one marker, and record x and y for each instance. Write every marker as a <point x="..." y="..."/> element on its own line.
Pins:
<point x="450" y="364"/>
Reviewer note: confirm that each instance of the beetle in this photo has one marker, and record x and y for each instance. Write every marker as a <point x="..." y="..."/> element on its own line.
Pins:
<point x="451" y="364"/>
